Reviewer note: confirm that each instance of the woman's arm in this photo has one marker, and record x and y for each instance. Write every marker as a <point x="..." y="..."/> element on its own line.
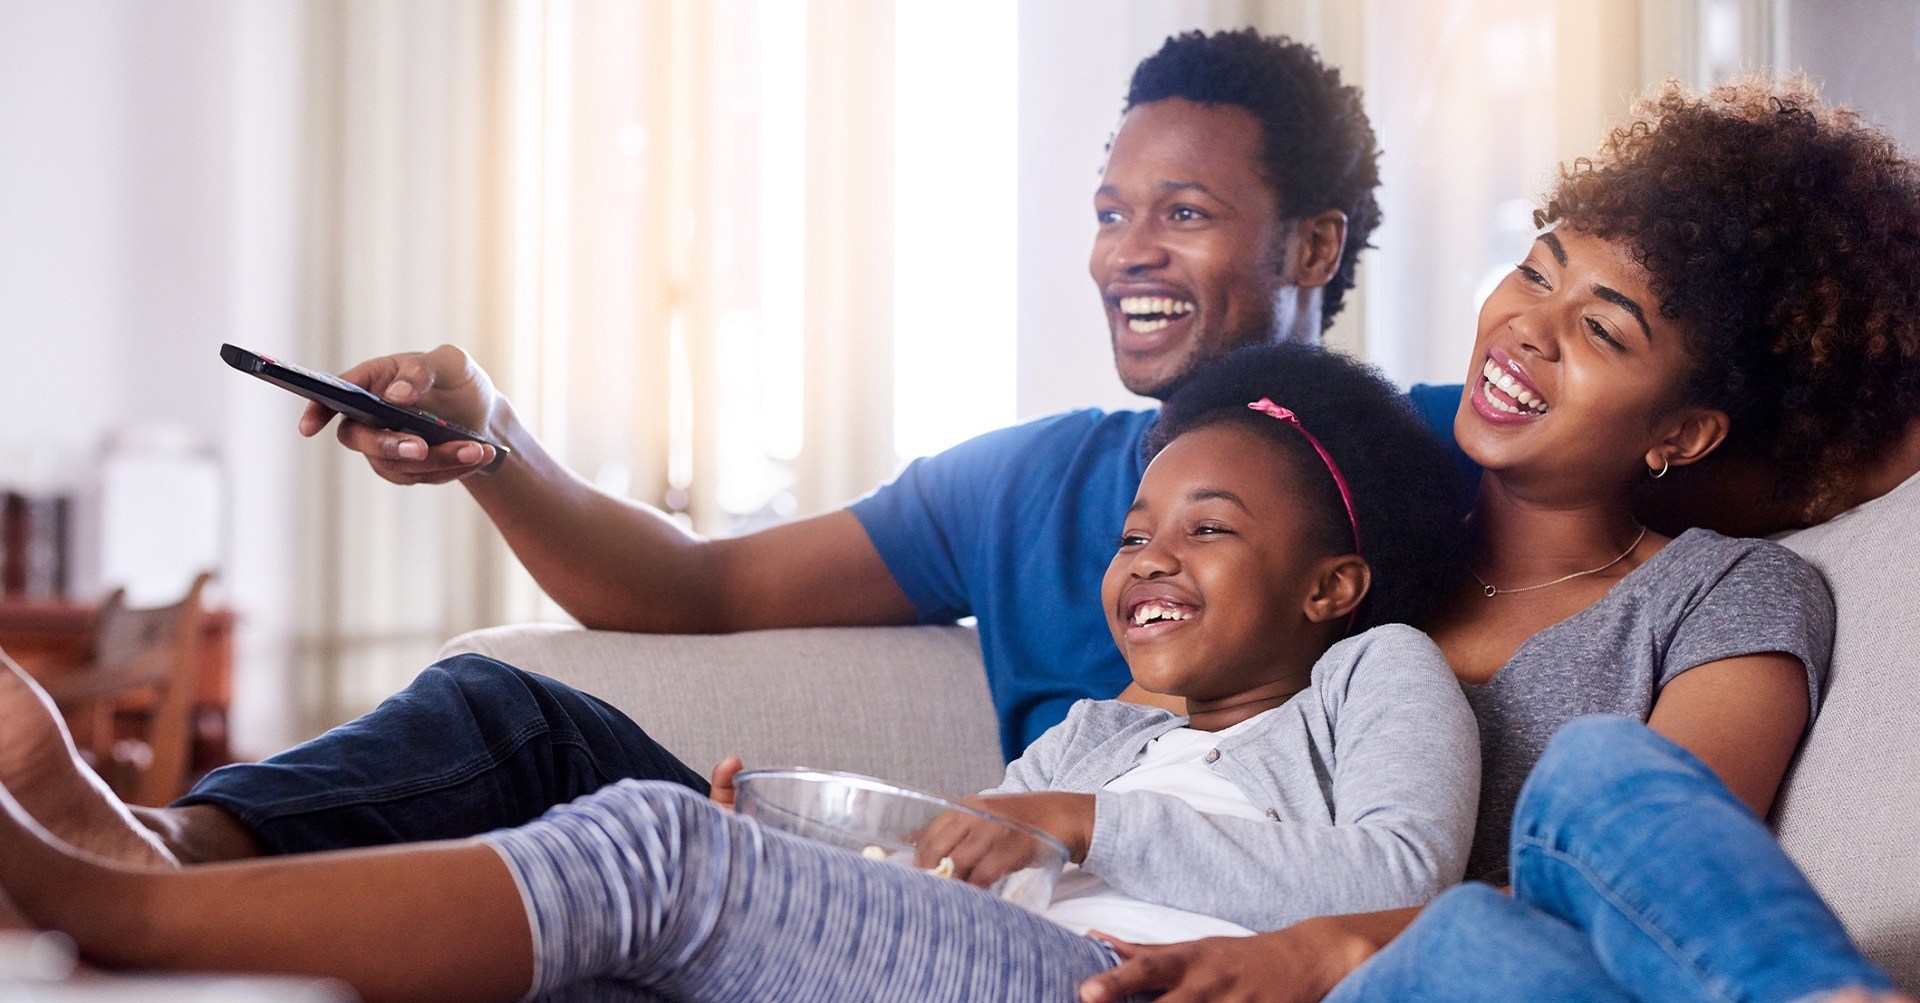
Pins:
<point x="1743" y="717"/>
<point x="433" y="921"/>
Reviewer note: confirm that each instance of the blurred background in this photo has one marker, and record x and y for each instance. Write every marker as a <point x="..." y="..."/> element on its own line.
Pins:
<point x="738" y="258"/>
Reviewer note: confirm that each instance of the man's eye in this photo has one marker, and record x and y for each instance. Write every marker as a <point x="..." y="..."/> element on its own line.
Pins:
<point x="1186" y="214"/>
<point x="1105" y="216"/>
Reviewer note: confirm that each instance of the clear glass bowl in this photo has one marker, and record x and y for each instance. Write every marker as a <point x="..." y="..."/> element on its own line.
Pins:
<point x="858" y="813"/>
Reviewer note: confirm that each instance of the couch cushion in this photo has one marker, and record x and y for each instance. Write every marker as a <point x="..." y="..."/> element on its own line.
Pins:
<point x="908" y="704"/>
<point x="1849" y="812"/>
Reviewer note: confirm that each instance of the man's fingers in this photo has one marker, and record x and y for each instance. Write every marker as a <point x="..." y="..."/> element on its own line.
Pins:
<point x="1143" y="973"/>
<point x="314" y="418"/>
<point x="1126" y="949"/>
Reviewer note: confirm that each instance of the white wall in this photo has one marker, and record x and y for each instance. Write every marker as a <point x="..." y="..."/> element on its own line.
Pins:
<point x="1075" y="61"/>
<point x="149" y="201"/>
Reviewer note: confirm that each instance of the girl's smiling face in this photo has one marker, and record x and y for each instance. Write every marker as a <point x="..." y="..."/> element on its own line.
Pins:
<point x="1218" y="592"/>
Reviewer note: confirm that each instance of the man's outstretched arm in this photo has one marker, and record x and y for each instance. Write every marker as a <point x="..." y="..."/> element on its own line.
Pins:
<point x="611" y="562"/>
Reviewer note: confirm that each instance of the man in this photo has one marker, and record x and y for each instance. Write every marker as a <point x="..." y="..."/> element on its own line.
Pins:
<point x="1237" y="195"/>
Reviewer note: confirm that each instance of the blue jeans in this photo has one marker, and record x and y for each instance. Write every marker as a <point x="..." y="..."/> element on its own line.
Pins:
<point x="472" y="745"/>
<point x="1636" y="876"/>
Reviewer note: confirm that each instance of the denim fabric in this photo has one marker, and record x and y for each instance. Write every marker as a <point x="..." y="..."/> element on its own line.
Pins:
<point x="470" y="746"/>
<point x="1636" y="875"/>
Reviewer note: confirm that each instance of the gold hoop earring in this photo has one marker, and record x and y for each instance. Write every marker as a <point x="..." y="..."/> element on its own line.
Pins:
<point x="1662" y="472"/>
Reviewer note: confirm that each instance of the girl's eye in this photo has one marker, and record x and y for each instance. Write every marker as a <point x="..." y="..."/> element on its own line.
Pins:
<point x="1531" y="275"/>
<point x="1132" y="540"/>
<point x="1211" y="529"/>
<point x="1600" y="331"/>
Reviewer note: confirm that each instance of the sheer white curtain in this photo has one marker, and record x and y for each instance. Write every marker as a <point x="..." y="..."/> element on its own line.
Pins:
<point x="663" y="227"/>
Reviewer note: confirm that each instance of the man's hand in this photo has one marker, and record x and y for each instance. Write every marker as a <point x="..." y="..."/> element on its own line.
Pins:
<point x="722" y="789"/>
<point x="983" y="852"/>
<point x="445" y="382"/>
<point x="1299" y="964"/>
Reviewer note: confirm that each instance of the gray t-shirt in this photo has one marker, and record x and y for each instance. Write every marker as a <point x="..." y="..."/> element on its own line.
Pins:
<point x="1702" y="598"/>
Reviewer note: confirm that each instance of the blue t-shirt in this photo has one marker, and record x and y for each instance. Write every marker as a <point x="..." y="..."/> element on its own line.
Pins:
<point x="1016" y="527"/>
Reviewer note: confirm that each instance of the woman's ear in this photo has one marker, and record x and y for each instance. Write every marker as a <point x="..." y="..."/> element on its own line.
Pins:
<point x="1694" y="433"/>
<point x="1339" y="587"/>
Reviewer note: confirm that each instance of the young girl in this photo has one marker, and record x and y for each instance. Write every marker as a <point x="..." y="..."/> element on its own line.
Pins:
<point x="1307" y="777"/>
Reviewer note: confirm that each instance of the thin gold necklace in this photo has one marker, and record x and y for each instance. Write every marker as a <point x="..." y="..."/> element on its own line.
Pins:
<point x="1491" y="591"/>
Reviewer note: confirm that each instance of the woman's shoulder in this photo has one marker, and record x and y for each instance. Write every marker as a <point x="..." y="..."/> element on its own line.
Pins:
<point x="1702" y="556"/>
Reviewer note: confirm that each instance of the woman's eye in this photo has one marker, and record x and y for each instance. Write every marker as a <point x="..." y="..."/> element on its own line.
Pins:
<point x="1600" y="331"/>
<point x="1531" y="275"/>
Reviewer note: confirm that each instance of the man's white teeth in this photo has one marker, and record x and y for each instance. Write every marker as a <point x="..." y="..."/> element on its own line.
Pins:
<point x="1148" y="612"/>
<point x="1147" y="314"/>
<point x="1529" y="404"/>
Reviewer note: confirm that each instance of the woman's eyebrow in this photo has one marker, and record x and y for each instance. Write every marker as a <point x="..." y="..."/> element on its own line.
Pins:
<point x="1625" y="302"/>
<point x="1552" y="240"/>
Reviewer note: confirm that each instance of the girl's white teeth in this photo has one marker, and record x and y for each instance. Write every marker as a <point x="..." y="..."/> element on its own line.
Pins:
<point x="1529" y="404"/>
<point x="1152" y="610"/>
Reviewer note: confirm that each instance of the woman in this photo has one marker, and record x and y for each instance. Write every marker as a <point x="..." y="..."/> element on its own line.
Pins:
<point x="1781" y="240"/>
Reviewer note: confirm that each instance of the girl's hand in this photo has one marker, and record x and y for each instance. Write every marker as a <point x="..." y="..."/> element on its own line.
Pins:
<point x="983" y="852"/>
<point x="722" y="791"/>
<point x="1298" y="964"/>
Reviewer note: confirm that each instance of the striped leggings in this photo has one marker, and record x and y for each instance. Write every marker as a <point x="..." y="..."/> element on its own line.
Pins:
<point x="646" y="890"/>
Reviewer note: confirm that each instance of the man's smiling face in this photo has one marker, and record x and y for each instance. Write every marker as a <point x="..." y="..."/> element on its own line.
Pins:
<point x="1190" y="251"/>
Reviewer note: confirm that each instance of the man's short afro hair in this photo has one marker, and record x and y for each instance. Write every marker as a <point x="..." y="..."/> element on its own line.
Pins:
<point x="1783" y="236"/>
<point x="1317" y="147"/>
<point x="1408" y="496"/>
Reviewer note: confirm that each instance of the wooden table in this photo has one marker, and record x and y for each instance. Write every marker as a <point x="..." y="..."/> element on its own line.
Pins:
<point x="50" y="637"/>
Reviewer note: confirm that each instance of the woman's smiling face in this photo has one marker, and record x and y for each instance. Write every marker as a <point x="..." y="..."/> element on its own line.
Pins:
<point x="1576" y="380"/>
<point x="1207" y="597"/>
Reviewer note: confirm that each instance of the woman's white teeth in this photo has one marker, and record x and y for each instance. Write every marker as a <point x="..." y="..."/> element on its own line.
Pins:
<point x="1495" y="376"/>
<point x="1148" y="612"/>
<point x="1146" y="314"/>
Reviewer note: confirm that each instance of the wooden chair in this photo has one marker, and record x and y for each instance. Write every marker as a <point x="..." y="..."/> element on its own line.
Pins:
<point x="142" y="665"/>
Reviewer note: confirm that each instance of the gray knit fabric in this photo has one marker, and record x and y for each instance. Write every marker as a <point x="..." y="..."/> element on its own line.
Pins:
<point x="1369" y="777"/>
<point x="1702" y="598"/>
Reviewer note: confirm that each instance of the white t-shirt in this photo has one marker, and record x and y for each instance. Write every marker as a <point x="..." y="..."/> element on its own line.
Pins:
<point x="1176" y="764"/>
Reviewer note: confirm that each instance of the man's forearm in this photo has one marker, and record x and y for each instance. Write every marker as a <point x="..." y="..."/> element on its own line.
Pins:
<point x="611" y="562"/>
<point x="616" y="564"/>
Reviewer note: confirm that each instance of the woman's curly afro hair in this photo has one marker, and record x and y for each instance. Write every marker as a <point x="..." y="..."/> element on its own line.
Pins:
<point x="1408" y="496"/>
<point x="1316" y="146"/>
<point x="1783" y="236"/>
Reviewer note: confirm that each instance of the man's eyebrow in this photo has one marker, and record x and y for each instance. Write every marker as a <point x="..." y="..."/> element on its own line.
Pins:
<point x="1188" y="186"/>
<point x="1552" y="240"/>
<point x="1624" y="302"/>
<point x="1208" y="494"/>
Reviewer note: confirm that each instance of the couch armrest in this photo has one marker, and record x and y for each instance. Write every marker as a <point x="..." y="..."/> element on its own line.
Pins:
<point x="909" y="704"/>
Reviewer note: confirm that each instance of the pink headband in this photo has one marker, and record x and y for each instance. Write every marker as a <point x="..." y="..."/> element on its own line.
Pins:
<point x="1266" y="405"/>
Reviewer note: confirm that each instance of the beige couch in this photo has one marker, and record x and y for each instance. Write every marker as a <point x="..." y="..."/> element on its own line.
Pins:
<point x="911" y="704"/>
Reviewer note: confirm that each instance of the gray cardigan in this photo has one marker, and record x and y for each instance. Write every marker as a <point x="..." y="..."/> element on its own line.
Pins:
<point x="1369" y="778"/>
